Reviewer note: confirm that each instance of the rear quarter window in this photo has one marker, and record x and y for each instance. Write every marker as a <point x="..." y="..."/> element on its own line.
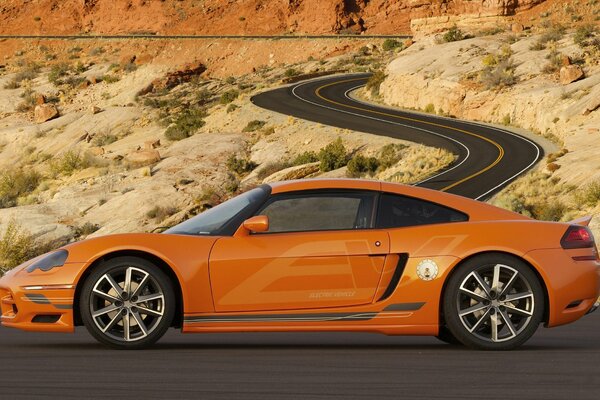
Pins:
<point x="397" y="211"/>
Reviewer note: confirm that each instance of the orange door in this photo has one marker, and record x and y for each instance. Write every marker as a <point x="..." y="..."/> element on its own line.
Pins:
<point x="299" y="270"/>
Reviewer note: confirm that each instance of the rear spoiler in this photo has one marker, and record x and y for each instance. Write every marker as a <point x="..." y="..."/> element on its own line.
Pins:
<point x="583" y="221"/>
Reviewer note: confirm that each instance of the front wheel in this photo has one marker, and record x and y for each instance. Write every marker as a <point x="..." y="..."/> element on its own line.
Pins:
<point x="127" y="303"/>
<point x="493" y="302"/>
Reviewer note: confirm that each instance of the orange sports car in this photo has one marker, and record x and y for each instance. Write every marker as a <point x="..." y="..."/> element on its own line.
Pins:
<point x="319" y="255"/>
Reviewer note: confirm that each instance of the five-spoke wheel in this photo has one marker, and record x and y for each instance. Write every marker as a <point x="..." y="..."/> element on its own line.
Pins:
<point x="127" y="302"/>
<point x="493" y="301"/>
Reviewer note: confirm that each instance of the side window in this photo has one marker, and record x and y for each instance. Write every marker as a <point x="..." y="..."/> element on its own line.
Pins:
<point x="319" y="212"/>
<point x="396" y="211"/>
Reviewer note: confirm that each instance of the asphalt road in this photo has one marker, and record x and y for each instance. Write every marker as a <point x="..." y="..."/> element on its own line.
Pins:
<point x="556" y="363"/>
<point x="559" y="363"/>
<point x="488" y="158"/>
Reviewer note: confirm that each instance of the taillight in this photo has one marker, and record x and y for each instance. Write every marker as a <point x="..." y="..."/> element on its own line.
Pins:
<point x="577" y="237"/>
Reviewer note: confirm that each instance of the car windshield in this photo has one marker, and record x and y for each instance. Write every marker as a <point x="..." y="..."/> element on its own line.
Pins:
<point x="213" y="220"/>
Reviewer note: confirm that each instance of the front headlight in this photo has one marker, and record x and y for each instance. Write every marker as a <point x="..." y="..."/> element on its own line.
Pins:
<point x="51" y="260"/>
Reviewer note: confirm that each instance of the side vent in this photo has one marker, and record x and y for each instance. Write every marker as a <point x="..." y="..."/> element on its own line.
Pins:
<point x="45" y="319"/>
<point x="396" y="277"/>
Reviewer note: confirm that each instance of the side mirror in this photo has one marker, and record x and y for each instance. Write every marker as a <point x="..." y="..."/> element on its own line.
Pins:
<point x="259" y="223"/>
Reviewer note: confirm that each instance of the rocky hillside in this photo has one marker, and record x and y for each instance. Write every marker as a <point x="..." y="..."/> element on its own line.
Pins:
<point x="243" y="16"/>
<point x="546" y="81"/>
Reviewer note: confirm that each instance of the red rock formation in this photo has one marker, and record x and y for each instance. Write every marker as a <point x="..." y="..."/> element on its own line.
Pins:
<point x="236" y="16"/>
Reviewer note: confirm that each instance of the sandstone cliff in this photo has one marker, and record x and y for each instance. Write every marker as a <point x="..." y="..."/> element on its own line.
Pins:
<point x="243" y="16"/>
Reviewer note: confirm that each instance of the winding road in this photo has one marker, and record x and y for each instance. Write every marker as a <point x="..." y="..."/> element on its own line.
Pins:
<point x="488" y="157"/>
<point x="556" y="363"/>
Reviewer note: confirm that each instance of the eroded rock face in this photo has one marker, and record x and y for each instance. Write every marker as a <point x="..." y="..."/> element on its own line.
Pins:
<point x="172" y="79"/>
<point x="245" y="16"/>
<point x="45" y="112"/>
<point x="570" y="74"/>
<point x="143" y="157"/>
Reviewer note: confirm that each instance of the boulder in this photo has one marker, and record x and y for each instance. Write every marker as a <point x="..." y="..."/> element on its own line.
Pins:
<point x="144" y="157"/>
<point x="44" y="112"/>
<point x="570" y="73"/>
<point x="172" y="79"/>
<point x="565" y="60"/>
<point x="95" y="109"/>
<point x="40" y="99"/>
<point x="517" y="27"/>
<point x="151" y="144"/>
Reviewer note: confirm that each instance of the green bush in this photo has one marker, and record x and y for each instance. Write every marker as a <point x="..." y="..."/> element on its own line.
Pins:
<point x="271" y="168"/>
<point x="391" y="44"/>
<point x="589" y="195"/>
<point x="254" y="125"/>
<point x="240" y="166"/>
<point x="360" y="165"/>
<point x="231" y="108"/>
<point x="583" y="33"/>
<point x="186" y="124"/>
<point x="333" y="156"/>
<point x="306" y="158"/>
<point x="500" y="76"/>
<point x="554" y="62"/>
<point x="85" y="230"/>
<point x="16" y="247"/>
<point x="104" y="139"/>
<point x="229" y="96"/>
<point x="57" y="72"/>
<point x="70" y="162"/>
<point x="15" y="183"/>
<point x="390" y="154"/>
<point x="160" y="213"/>
<point x="454" y="34"/>
<point x="374" y="82"/>
<point x="290" y="72"/>
<point x="230" y="80"/>
<point x="548" y="211"/>
<point x="429" y="108"/>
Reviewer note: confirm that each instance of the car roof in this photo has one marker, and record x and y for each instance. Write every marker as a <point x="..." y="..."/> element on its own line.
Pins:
<point x="477" y="210"/>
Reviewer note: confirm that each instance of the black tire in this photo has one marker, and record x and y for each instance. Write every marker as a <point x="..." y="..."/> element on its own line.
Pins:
<point x="148" y="320"/>
<point x="508" y="313"/>
<point x="446" y="336"/>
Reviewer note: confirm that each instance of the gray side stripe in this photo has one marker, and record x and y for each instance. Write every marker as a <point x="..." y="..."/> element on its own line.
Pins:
<point x="314" y="317"/>
<point x="284" y="317"/>
<point x="404" y="307"/>
<point x="37" y="298"/>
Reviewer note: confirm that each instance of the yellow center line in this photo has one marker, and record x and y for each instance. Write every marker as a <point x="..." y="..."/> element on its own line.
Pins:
<point x="498" y="146"/>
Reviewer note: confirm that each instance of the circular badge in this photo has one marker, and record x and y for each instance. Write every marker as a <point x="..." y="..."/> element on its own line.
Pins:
<point x="427" y="270"/>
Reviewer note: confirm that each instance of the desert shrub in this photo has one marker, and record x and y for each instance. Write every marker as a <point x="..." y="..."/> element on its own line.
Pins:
<point x="240" y="166"/>
<point x="160" y="213"/>
<point x="230" y="80"/>
<point x="391" y="44"/>
<point x="57" y="72"/>
<point x="553" y="34"/>
<point x="333" y="156"/>
<point x="548" y="211"/>
<point x="16" y="246"/>
<point x="290" y="72"/>
<point x="129" y="67"/>
<point x="97" y="51"/>
<point x="104" y="139"/>
<point x="306" y="158"/>
<point x="583" y="33"/>
<point x="506" y="120"/>
<point x="109" y="78"/>
<point x="360" y="165"/>
<point x="453" y="34"/>
<point x="390" y="154"/>
<point x="554" y="62"/>
<point x="30" y="72"/>
<point x="589" y="195"/>
<point x="374" y="82"/>
<point x="70" y="162"/>
<point x="204" y="96"/>
<point x="28" y="103"/>
<point x="229" y="96"/>
<point x="15" y="183"/>
<point x="429" y="108"/>
<point x="271" y="168"/>
<point x="186" y="124"/>
<point x="231" y="108"/>
<point x="254" y="125"/>
<point x="85" y="230"/>
<point x="499" y="76"/>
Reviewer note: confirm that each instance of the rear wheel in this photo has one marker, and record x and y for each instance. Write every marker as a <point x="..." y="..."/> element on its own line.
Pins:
<point x="127" y="303"/>
<point x="493" y="302"/>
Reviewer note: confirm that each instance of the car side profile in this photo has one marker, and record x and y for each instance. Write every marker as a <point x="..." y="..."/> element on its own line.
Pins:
<point x="319" y="255"/>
